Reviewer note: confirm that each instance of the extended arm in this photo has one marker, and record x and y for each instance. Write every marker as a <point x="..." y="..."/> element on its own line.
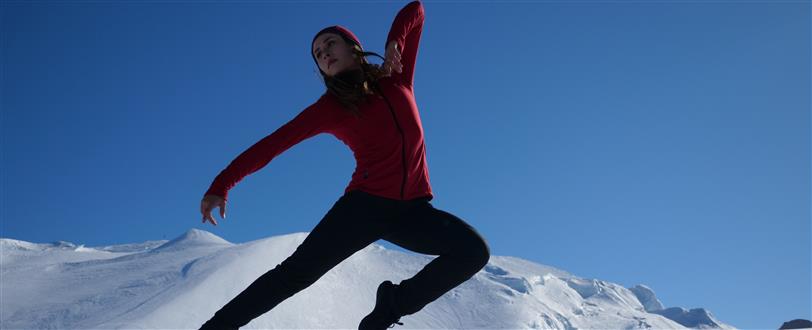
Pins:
<point x="305" y="125"/>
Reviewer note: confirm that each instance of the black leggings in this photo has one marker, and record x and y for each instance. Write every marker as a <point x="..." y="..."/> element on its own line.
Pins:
<point x="356" y="220"/>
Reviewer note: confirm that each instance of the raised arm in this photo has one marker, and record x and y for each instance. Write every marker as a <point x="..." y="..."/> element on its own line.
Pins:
<point x="311" y="121"/>
<point x="405" y="31"/>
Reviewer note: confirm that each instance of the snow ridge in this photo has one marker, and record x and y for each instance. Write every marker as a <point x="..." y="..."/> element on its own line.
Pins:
<point x="182" y="282"/>
<point x="192" y="238"/>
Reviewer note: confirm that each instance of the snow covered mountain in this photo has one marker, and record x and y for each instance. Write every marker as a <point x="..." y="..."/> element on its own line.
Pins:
<point x="179" y="284"/>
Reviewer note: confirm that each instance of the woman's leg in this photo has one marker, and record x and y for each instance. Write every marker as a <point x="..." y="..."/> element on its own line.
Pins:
<point x="348" y="227"/>
<point x="462" y="253"/>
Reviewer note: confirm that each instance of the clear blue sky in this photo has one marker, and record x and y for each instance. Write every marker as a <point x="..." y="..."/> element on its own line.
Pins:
<point x="663" y="143"/>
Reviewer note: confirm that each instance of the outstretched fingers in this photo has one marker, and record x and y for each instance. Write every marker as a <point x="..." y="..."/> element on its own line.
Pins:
<point x="205" y="209"/>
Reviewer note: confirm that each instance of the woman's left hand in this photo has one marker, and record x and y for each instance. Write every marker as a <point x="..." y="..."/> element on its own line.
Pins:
<point x="392" y="58"/>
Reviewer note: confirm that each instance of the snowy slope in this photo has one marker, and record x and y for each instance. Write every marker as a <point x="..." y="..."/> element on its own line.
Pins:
<point x="180" y="283"/>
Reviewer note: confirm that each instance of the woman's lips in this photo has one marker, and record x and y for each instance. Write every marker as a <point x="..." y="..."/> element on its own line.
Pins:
<point x="329" y="63"/>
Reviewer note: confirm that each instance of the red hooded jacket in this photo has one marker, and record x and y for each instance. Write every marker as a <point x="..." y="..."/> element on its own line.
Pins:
<point x="387" y="140"/>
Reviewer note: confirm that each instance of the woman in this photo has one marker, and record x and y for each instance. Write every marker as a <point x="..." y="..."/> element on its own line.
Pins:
<point x="372" y="109"/>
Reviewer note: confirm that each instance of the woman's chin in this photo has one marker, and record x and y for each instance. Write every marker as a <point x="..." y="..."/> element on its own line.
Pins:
<point x="337" y="70"/>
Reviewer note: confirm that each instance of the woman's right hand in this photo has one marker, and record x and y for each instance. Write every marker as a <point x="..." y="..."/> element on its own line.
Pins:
<point x="208" y="203"/>
<point x="392" y="59"/>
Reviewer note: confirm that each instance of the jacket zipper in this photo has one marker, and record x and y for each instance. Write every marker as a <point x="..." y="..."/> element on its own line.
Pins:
<point x="403" y="142"/>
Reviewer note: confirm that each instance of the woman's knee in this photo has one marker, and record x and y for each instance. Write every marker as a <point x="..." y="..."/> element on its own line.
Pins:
<point x="484" y="252"/>
<point x="477" y="251"/>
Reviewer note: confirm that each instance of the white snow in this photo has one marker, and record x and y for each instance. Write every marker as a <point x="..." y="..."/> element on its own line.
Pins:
<point x="179" y="284"/>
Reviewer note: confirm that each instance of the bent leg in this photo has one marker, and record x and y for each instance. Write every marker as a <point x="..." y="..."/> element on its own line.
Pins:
<point x="462" y="253"/>
<point x="344" y="230"/>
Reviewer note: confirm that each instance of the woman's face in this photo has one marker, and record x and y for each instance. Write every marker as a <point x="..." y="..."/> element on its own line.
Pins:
<point x="333" y="54"/>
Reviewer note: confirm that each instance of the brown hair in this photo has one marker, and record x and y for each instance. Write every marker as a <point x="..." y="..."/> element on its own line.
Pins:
<point x="353" y="86"/>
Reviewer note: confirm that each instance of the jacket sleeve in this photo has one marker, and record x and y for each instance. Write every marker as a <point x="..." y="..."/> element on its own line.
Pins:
<point x="311" y="121"/>
<point x="406" y="30"/>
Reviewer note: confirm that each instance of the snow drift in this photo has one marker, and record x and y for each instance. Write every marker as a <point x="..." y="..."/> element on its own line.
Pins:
<point x="180" y="283"/>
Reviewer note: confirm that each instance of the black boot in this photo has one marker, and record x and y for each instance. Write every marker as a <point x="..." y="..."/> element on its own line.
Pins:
<point x="384" y="315"/>
<point x="209" y="325"/>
